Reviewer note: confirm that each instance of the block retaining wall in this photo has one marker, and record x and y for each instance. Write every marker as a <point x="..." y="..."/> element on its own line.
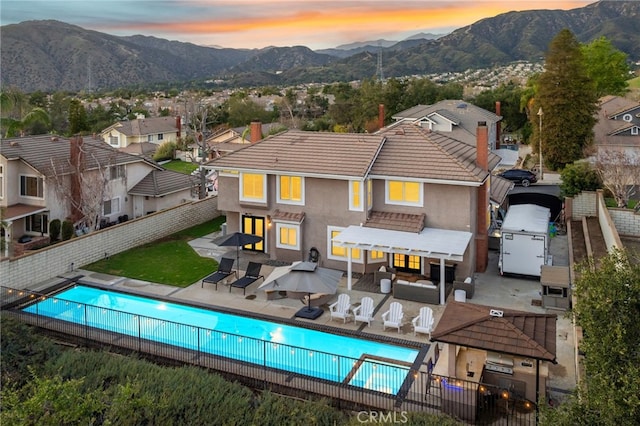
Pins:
<point x="35" y="267"/>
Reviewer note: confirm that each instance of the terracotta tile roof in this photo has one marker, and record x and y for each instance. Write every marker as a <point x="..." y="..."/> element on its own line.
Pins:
<point x="500" y="188"/>
<point x="306" y="153"/>
<point x="287" y="216"/>
<point x="46" y="151"/>
<point x="145" y="126"/>
<point x="163" y="182"/>
<point x="518" y="333"/>
<point x="396" y="221"/>
<point x="413" y="152"/>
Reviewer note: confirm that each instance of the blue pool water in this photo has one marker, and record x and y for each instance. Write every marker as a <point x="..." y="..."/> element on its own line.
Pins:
<point x="328" y="356"/>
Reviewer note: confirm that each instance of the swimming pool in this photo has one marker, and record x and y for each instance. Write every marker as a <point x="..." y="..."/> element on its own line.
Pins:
<point x="362" y="363"/>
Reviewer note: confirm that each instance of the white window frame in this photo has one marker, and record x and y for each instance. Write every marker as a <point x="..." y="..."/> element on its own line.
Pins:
<point x="111" y="201"/>
<point x="150" y="138"/>
<point x="1" y="182"/>
<point x="117" y="172"/>
<point x="419" y="203"/>
<point x="634" y="131"/>
<point x="264" y="189"/>
<point x="285" y="225"/>
<point x="372" y="260"/>
<point x="369" y="194"/>
<point x="330" y="255"/>
<point x="627" y="118"/>
<point x="44" y="223"/>
<point x="353" y="207"/>
<point x="291" y="202"/>
<point x="40" y="186"/>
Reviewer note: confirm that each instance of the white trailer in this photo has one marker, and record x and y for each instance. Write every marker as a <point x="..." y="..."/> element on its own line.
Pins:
<point x="524" y="240"/>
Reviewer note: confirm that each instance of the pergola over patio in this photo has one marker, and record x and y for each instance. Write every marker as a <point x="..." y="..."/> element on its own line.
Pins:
<point x="442" y="244"/>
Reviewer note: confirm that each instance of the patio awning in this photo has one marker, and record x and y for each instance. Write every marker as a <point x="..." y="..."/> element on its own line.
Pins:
<point x="18" y="211"/>
<point x="430" y="242"/>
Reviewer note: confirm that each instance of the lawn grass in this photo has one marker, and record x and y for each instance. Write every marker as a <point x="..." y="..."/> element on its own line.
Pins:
<point x="168" y="261"/>
<point x="185" y="167"/>
<point x="634" y="83"/>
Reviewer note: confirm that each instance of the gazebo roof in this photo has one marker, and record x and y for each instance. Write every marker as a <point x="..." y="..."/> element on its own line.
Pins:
<point x="519" y="333"/>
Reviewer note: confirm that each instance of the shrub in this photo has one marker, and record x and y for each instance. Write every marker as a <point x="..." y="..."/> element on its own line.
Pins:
<point x="578" y="177"/>
<point x="54" y="229"/>
<point x="166" y="151"/>
<point x="67" y="230"/>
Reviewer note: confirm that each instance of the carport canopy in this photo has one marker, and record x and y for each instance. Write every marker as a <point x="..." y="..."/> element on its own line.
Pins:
<point x="443" y="244"/>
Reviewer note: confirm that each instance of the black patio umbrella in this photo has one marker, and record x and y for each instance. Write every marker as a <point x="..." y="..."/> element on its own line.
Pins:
<point x="304" y="277"/>
<point x="237" y="240"/>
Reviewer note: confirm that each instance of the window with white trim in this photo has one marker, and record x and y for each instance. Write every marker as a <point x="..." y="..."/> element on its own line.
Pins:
<point x="634" y="131"/>
<point x="37" y="223"/>
<point x="31" y="186"/>
<point x="111" y="206"/>
<point x="116" y="172"/>
<point x="288" y="236"/>
<point x="1" y="182"/>
<point x="337" y="252"/>
<point x="149" y="138"/>
<point x="369" y="194"/>
<point x="114" y="140"/>
<point x="627" y="118"/>
<point x="404" y="193"/>
<point x="290" y="189"/>
<point x="355" y="195"/>
<point x="253" y="187"/>
<point x="376" y="256"/>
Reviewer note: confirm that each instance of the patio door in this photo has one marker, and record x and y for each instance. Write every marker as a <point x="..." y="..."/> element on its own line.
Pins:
<point x="407" y="263"/>
<point x="254" y="225"/>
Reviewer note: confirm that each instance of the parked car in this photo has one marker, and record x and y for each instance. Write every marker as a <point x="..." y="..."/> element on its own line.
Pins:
<point x="520" y="176"/>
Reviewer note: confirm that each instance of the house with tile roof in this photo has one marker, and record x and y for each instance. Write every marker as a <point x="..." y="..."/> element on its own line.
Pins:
<point x="142" y="135"/>
<point x="454" y="117"/>
<point x="47" y="177"/>
<point x="403" y="198"/>
<point x="618" y="126"/>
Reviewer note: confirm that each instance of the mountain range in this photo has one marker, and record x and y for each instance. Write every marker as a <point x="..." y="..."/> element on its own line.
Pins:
<point x="55" y="56"/>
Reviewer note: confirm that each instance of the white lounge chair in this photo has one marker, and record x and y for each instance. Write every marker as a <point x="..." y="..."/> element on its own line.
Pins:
<point x="364" y="312"/>
<point x="423" y="323"/>
<point x="340" y="309"/>
<point x="393" y="317"/>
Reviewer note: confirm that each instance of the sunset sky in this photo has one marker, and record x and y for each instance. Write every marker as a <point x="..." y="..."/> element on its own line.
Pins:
<point x="260" y="23"/>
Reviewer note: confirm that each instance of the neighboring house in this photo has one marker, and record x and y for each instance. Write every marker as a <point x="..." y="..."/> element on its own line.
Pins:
<point x="43" y="177"/>
<point x="403" y="197"/>
<point x="456" y="118"/>
<point x="225" y="141"/>
<point x="142" y="135"/>
<point x="618" y="126"/>
<point x="162" y="189"/>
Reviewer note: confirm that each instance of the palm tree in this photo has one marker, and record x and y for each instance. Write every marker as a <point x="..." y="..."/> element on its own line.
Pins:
<point x="20" y="115"/>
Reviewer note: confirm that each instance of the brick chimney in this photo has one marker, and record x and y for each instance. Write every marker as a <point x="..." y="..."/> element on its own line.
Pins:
<point x="482" y="215"/>
<point x="179" y="126"/>
<point x="498" y="126"/>
<point x="256" y="131"/>
<point x="76" y="159"/>
<point x="380" y="116"/>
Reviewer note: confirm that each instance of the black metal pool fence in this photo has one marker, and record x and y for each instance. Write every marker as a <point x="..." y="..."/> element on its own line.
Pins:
<point x="398" y="387"/>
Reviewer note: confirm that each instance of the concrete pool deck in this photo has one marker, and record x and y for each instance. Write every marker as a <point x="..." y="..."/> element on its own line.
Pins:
<point x="492" y="290"/>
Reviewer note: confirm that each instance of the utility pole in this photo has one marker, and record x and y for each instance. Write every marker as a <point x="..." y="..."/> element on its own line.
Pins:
<point x="540" y="144"/>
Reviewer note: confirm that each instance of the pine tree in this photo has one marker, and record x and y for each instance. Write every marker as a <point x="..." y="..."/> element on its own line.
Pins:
<point x="568" y="101"/>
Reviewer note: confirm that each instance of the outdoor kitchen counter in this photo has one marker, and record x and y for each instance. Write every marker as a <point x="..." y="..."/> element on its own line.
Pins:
<point x="469" y="364"/>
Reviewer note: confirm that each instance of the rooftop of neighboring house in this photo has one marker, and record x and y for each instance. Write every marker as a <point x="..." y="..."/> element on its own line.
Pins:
<point x="611" y="121"/>
<point x="46" y="153"/>
<point x="146" y="126"/>
<point x="463" y="115"/>
<point x="159" y="183"/>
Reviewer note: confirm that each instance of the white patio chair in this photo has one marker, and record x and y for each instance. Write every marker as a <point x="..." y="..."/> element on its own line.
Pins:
<point x="364" y="312"/>
<point x="393" y="317"/>
<point x="340" y="309"/>
<point x="423" y="323"/>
